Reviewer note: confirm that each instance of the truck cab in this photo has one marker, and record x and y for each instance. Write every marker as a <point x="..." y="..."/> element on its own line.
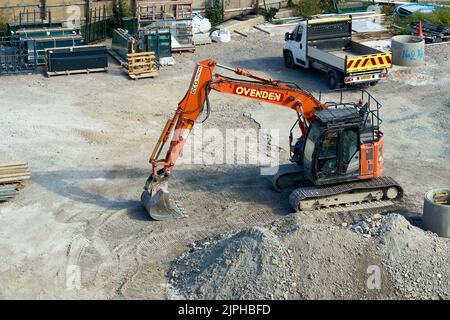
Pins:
<point x="295" y="47"/>
<point x="327" y="45"/>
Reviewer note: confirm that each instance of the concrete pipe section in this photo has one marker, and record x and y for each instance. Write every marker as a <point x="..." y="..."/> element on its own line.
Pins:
<point x="436" y="212"/>
<point x="407" y="50"/>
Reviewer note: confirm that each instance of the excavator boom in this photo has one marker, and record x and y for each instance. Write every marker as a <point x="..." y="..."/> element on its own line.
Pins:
<point x="177" y="129"/>
<point x="156" y="195"/>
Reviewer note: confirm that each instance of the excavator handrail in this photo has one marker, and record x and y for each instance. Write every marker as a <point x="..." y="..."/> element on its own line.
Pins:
<point x="371" y="107"/>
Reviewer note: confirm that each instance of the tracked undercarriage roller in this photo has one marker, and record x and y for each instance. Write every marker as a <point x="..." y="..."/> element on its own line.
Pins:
<point x="376" y="190"/>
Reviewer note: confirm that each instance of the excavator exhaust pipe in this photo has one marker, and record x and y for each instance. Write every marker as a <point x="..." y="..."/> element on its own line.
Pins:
<point x="157" y="202"/>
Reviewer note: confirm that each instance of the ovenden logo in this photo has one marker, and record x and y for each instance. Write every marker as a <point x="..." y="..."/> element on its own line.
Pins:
<point x="197" y="76"/>
<point x="257" y="93"/>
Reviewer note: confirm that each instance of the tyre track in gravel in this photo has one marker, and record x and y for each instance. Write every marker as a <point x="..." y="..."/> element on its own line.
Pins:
<point x="140" y="250"/>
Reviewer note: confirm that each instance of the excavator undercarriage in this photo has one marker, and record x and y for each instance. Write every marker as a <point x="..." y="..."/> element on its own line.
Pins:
<point x="305" y="196"/>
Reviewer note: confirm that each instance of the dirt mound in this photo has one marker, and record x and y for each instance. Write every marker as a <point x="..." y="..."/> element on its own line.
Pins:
<point x="299" y="258"/>
<point x="331" y="262"/>
<point x="291" y="259"/>
<point x="417" y="261"/>
<point x="251" y="264"/>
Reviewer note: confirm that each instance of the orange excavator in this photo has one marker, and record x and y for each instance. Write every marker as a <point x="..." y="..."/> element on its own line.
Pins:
<point x="338" y="159"/>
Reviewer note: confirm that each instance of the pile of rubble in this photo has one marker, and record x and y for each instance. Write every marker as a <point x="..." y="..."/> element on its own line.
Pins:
<point x="252" y="264"/>
<point x="417" y="261"/>
<point x="368" y="227"/>
<point x="293" y="258"/>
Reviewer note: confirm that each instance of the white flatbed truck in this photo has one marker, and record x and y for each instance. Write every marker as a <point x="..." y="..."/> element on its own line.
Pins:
<point x="327" y="45"/>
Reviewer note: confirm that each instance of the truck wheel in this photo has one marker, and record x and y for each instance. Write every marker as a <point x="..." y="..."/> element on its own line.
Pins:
<point x="289" y="60"/>
<point x="333" y="80"/>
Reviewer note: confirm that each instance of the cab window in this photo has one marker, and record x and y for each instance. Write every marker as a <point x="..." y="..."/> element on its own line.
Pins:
<point x="350" y="144"/>
<point x="298" y="34"/>
<point x="327" y="161"/>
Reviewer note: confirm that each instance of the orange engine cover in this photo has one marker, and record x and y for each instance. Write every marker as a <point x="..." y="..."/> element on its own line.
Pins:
<point x="371" y="165"/>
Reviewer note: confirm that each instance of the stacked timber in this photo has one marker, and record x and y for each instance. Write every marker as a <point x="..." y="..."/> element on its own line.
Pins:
<point x="12" y="177"/>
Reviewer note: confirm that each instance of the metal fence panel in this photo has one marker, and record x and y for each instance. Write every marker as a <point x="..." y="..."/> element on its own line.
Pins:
<point x="97" y="25"/>
<point x="15" y="58"/>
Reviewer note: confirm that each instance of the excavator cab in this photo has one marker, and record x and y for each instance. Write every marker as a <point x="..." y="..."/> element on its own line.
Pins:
<point x="331" y="152"/>
<point x="334" y="143"/>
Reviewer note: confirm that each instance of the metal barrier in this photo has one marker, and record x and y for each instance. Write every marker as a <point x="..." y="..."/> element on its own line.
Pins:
<point x="97" y="25"/>
<point x="15" y="58"/>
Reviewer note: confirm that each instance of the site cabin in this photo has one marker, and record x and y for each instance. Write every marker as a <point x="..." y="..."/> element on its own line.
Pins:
<point x="327" y="45"/>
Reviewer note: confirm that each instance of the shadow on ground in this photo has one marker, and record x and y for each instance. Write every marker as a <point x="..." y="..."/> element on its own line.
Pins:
<point x="241" y="184"/>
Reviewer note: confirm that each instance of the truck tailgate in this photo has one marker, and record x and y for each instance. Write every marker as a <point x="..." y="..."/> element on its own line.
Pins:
<point x="368" y="62"/>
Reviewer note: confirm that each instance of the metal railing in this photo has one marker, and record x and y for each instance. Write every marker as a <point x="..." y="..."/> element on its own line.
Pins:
<point x="367" y="106"/>
<point x="15" y="57"/>
<point x="97" y="24"/>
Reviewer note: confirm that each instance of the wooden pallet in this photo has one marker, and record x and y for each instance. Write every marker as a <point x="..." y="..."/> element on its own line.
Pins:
<point x="12" y="177"/>
<point x="184" y="49"/>
<point x="138" y="76"/>
<point x="70" y="72"/>
<point x="205" y="43"/>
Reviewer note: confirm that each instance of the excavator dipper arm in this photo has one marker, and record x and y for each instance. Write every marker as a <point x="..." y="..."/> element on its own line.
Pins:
<point x="177" y="129"/>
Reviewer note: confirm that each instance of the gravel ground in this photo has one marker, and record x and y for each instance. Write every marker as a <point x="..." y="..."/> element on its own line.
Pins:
<point x="295" y="258"/>
<point x="417" y="261"/>
<point x="251" y="264"/>
<point x="87" y="139"/>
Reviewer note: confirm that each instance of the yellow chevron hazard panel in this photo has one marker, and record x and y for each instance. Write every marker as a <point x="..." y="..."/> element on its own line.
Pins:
<point x="369" y="62"/>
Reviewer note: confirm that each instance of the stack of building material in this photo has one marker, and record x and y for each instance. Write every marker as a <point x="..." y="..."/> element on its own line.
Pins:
<point x="14" y="58"/>
<point x="141" y="65"/>
<point x="201" y="38"/>
<point x="35" y="38"/>
<point x="174" y="15"/>
<point x="73" y="60"/>
<point x="158" y="41"/>
<point x="40" y="44"/>
<point x="12" y="177"/>
<point x="431" y="32"/>
<point x="200" y="29"/>
<point x="14" y="26"/>
<point x="45" y="32"/>
<point x="122" y="44"/>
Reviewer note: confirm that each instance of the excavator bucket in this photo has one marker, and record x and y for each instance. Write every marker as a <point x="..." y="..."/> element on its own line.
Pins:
<point x="155" y="199"/>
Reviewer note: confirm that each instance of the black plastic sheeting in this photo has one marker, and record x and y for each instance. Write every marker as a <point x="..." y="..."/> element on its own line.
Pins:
<point x="77" y="58"/>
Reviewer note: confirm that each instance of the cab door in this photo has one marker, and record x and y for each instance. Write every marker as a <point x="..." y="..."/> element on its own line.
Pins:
<point x="298" y="46"/>
<point x="327" y="157"/>
<point x="349" y="164"/>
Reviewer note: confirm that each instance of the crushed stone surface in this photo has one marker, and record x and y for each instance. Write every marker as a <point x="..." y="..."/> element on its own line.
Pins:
<point x="296" y="258"/>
